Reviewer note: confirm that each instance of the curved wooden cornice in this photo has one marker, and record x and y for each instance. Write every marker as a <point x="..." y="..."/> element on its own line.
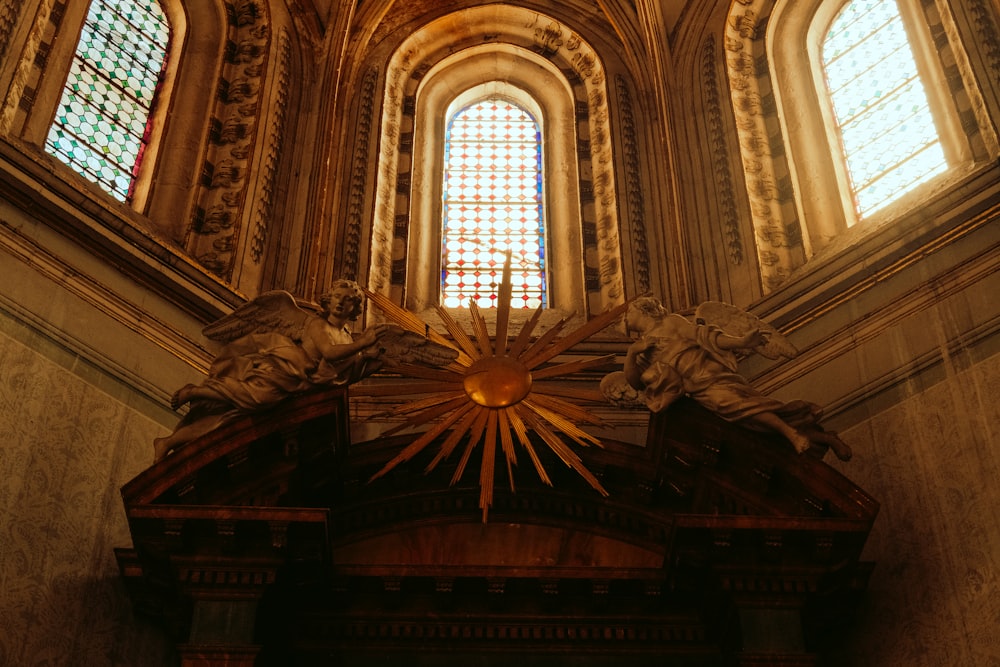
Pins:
<point x="706" y="508"/>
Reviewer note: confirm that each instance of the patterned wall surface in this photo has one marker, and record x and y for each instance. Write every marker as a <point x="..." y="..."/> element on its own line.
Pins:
<point x="66" y="450"/>
<point x="933" y="462"/>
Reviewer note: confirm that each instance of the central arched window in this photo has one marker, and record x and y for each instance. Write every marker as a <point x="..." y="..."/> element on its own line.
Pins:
<point x="887" y="131"/>
<point x="492" y="205"/>
<point x="101" y="124"/>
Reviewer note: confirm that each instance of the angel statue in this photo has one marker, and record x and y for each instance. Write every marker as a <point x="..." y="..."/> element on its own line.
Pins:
<point x="676" y="356"/>
<point x="273" y="348"/>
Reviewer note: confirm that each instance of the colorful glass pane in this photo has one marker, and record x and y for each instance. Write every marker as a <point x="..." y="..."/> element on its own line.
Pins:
<point x="887" y="131"/>
<point x="100" y="128"/>
<point x="492" y="204"/>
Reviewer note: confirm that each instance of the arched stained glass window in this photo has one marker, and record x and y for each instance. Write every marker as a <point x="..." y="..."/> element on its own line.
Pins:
<point x="888" y="135"/>
<point x="102" y="123"/>
<point x="492" y="204"/>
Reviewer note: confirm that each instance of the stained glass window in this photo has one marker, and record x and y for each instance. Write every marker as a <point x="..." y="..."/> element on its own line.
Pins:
<point x="101" y="124"/>
<point x="492" y="204"/>
<point x="888" y="135"/>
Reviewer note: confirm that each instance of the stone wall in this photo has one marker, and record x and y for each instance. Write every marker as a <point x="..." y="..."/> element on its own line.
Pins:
<point x="933" y="462"/>
<point x="67" y="447"/>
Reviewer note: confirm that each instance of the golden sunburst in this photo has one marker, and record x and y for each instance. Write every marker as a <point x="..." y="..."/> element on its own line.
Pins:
<point x="490" y="393"/>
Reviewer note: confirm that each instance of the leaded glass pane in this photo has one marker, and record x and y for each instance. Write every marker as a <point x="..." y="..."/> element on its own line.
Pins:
<point x="492" y="203"/>
<point x="100" y="128"/>
<point x="888" y="135"/>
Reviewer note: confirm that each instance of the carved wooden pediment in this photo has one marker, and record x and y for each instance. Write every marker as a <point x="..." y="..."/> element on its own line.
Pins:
<point x="265" y="539"/>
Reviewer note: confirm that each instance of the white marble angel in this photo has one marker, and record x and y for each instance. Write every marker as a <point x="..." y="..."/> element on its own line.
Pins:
<point x="676" y="356"/>
<point x="273" y="348"/>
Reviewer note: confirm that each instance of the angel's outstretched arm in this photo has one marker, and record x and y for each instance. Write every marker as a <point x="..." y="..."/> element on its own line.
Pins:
<point x="366" y="344"/>
<point x="750" y="340"/>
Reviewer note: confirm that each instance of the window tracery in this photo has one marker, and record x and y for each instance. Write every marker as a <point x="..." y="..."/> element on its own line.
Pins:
<point x="884" y="120"/>
<point x="492" y="205"/>
<point x="101" y="125"/>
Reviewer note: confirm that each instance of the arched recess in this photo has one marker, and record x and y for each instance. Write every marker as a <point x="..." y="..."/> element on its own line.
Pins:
<point x="799" y="191"/>
<point x="564" y="74"/>
<point x="220" y="115"/>
<point x="533" y="82"/>
<point x="197" y="40"/>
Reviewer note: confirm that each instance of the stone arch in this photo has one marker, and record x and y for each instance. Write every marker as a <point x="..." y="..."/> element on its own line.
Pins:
<point x="566" y="77"/>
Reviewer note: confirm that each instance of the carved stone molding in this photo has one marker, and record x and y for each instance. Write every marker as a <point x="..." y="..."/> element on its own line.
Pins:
<point x="725" y="193"/>
<point x="634" y="188"/>
<point x="350" y="260"/>
<point x="958" y="73"/>
<point x="264" y="200"/>
<point x="20" y="96"/>
<point x="768" y="182"/>
<point x="984" y="21"/>
<point x="217" y="226"/>
<point x="9" y="12"/>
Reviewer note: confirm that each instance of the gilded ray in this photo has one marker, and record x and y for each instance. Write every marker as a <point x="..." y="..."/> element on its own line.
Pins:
<point x="469" y="415"/>
<point x="400" y="389"/>
<point x="469" y="351"/>
<point x="521" y="342"/>
<point x="599" y="323"/>
<point x="575" y="393"/>
<point x="568" y="368"/>
<point x="522" y="435"/>
<point x="423" y="440"/>
<point x="507" y="444"/>
<point x="488" y="396"/>
<point x="429" y="402"/>
<point x="404" y="318"/>
<point x="443" y="375"/>
<point x="428" y="415"/>
<point x="535" y="354"/>
<point x="566" y="409"/>
<point x="475" y="436"/>
<point x="563" y="424"/>
<point x="479" y="329"/>
<point x="503" y="310"/>
<point x="487" y="464"/>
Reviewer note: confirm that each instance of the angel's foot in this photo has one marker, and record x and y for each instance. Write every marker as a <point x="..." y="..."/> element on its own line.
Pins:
<point x="839" y="447"/>
<point x="181" y="396"/>
<point x="800" y="442"/>
<point x="161" y="447"/>
<point x="842" y="450"/>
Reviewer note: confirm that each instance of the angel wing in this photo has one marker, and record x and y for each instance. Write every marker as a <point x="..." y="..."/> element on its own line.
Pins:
<point x="736" y="322"/>
<point x="271" y="312"/>
<point x="407" y="347"/>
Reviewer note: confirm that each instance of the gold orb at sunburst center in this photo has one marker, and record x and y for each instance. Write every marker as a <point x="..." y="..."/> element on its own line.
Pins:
<point x="496" y="382"/>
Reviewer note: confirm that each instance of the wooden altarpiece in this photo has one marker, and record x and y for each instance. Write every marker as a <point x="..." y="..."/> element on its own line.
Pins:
<point x="264" y="543"/>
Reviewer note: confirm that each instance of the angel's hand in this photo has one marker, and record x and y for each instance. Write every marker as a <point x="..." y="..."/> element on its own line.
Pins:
<point x="643" y="346"/>
<point x="371" y="335"/>
<point x="640" y="353"/>
<point x="752" y="339"/>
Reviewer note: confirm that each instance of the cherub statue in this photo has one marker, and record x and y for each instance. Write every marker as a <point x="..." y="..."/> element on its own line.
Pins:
<point x="273" y="348"/>
<point x="676" y="356"/>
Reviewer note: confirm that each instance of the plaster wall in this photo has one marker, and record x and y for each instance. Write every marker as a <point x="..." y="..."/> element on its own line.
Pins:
<point x="67" y="448"/>
<point x="932" y="462"/>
